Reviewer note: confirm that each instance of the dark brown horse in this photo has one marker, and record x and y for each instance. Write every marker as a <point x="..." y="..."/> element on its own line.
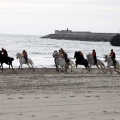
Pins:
<point x="80" y="60"/>
<point x="5" y="59"/>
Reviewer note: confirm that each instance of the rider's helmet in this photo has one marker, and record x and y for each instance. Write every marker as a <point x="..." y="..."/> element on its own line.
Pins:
<point x="111" y="50"/>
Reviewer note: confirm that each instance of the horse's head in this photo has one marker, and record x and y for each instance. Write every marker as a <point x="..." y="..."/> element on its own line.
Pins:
<point x="88" y="56"/>
<point x="106" y="57"/>
<point x="18" y="55"/>
<point x="75" y="54"/>
<point x="55" y="54"/>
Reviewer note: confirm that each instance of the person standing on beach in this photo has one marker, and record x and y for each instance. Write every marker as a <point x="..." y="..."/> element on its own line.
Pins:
<point x="94" y="57"/>
<point x="24" y="53"/>
<point x="113" y="56"/>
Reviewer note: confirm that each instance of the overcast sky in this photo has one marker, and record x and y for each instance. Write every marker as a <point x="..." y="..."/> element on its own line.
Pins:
<point x="41" y="17"/>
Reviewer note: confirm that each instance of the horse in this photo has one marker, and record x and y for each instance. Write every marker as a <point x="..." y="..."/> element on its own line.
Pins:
<point x="109" y="61"/>
<point x="60" y="61"/>
<point x="92" y="62"/>
<point x="22" y="61"/>
<point x="6" y="59"/>
<point x="80" y="60"/>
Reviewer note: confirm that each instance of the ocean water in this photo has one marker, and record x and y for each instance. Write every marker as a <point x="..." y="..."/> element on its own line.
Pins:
<point x="40" y="50"/>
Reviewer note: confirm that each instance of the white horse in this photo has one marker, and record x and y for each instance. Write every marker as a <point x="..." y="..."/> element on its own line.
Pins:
<point x="60" y="61"/>
<point x="109" y="61"/>
<point x="22" y="61"/>
<point x="92" y="62"/>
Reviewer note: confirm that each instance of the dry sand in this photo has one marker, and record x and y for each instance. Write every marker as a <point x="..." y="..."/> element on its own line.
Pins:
<point x="45" y="94"/>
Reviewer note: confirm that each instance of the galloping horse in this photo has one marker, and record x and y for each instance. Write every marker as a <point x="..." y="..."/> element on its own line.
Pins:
<point x="7" y="60"/>
<point x="60" y="61"/>
<point x="109" y="61"/>
<point x="22" y="61"/>
<point x="91" y="62"/>
<point x="80" y="60"/>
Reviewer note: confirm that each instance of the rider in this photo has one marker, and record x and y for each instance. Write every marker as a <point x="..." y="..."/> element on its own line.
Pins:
<point x="94" y="56"/>
<point x="113" y="56"/>
<point x="63" y="54"/>
<point x="4" y="53"/>
<point x="81" y="54"/>
<point x="24" y="53"/>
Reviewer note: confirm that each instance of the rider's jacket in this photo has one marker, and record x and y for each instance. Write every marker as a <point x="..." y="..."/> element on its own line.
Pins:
<point x="112" y="54"/>
<point x="94" y="54"/>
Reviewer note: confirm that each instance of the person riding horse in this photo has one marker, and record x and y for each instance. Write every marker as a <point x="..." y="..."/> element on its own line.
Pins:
<point x="82" y="55"/>
<point x="113" y="56"/>
<point x="63" y="54"/>
<point x="24" y="53"/>
<point x="94" y="56"/>
<point x="4" y="54"/>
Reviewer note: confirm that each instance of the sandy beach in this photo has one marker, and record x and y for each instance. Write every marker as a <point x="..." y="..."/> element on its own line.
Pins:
<point x="45" y="94"/>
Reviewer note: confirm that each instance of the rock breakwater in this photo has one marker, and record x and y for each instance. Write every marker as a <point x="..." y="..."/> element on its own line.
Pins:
<point x="83" y="37"/>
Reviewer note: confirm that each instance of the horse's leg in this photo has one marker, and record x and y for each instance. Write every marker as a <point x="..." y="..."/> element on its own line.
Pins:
<point x="11" y="65"/>
<point x="28" y="65"/>
<point x="102" y="68"/>
<point x="32" y="66"/>
<point x="106" y="70"/>
<point x="57" y="69"/>
<point x="98" y="68"/>
<point x="90" y="68"/>
<point x="70" y="63"/>
<point x="66" y="68"/>
<point x="76" y="65"/>
<point x="110" y="69"/>
<point x="61" y="68"/>
<point x="2" y="66"/>
<point x="118" y="69"/>
<point x="20" y="66"/>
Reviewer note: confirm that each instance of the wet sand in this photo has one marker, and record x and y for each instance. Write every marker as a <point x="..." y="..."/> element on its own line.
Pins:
<point x="45" y="94"/>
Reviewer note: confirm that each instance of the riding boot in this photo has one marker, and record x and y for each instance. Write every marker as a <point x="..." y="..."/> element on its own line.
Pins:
<point x="114" y="63"/>
<point x="67" y="60"/>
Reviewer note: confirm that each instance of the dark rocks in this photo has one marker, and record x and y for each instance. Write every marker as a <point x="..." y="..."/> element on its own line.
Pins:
<point x="115" y="40"/>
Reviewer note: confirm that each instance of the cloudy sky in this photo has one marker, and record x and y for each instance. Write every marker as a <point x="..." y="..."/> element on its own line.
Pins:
<point x="41" y="17"/>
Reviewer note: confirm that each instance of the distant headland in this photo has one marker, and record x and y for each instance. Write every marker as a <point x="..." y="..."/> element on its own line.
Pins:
<point x="80" y="35"/>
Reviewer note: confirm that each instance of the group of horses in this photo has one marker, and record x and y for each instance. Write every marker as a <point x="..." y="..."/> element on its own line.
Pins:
<point x="8" y="60"/>
<point x="87" y="63"/>
<point x="62" y="65"/>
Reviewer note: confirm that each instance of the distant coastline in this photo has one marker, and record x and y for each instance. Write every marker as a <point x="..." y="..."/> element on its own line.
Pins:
<point x="80" y="35"/>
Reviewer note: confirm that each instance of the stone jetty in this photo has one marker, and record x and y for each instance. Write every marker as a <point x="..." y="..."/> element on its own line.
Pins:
<point x="81" y="36"/>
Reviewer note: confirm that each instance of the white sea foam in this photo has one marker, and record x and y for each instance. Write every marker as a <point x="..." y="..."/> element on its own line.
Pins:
<point x="40" y="50"/>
